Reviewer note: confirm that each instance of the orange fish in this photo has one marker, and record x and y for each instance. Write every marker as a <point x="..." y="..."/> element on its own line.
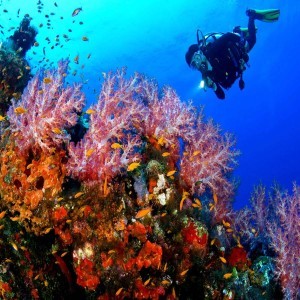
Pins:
<point x="143" y="212"/>
<point x="20" y="110"/>
<point x="170" y="173"/>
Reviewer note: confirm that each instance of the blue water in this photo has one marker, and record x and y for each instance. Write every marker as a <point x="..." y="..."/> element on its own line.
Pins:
<point x="152" y="37"/>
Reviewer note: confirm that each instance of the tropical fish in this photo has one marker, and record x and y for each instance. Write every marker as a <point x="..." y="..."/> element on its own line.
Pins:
<point x="170" y="173"/>
<point x="78" y="195"/>
<point x="56" y="130"/>
<point x="2" y="118"/>
<point x="20" y="110"/>
<point x="223" y="260"/>
<point x="116" y="146"/>
<point x="89" y="152"/>
<point x="118" y="292"/>
<point x="47" y="80"/>
<point x="165" y="154"/>
<point x="85" y="38"/>
<point x="76" y="11"/>
<point x="133" y="166"/>
<point x="143" y="212"/>
<point x="227" y="275"/>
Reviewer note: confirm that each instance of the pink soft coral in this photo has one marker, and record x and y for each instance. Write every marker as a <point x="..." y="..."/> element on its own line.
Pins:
<point x="284" y="231"/>
<point x="111" y="141"/>
<point x="208" y="157"/>
<point x="45" y="110"/>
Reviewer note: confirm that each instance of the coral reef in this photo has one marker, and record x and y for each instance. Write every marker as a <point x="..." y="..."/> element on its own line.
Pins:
<point x="138" y="207"/>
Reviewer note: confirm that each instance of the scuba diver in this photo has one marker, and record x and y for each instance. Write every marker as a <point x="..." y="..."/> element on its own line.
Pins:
<point x="222" y="57"/>
<point x="24" y="37"/>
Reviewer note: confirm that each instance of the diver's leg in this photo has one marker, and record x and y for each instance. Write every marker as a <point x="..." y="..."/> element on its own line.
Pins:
<point x="251" y="39"/>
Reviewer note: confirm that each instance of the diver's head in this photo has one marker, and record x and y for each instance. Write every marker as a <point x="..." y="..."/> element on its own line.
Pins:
<point x="190" y="53"/>
<point x="25" y="22"/>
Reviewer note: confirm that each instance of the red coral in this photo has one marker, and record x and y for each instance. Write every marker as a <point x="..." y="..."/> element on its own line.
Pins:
<point x="149" y="256"/>
<point x="59" y="214"/>
<point x="147" y="292"/>
<point x="85" y="275"/>
<point x="238" y="258"/>
<point x="195" y="235"/>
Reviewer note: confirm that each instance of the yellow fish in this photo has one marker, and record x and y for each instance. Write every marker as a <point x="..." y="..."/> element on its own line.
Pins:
<point x="196" y="152"/>
<point x="56" y="130"/>
<point x="78" y="195"/>
<point x="142" y="213"/>
<point x="2" y="118"/>
<point x="226" y="224"/>
<point x="90" y="111"/>
<point x="223" y="260"/>
<point x="227" y="275"/>
<point x="47" y="80"/>
<point x="165" y="154"/>
<point x="20" y="110"/>
<point x="133" y="166"/>
<point x="116" y="146"/>
<point x="170" y="173"/>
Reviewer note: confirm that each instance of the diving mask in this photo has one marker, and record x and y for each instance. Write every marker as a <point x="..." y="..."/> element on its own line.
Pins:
<point x="199" y="62"/>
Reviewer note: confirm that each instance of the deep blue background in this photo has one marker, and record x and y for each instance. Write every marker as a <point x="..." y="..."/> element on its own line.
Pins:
<point x="152" y="37"/>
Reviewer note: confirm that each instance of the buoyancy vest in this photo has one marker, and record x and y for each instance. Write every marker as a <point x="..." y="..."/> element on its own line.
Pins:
<point x="227" y="56"/>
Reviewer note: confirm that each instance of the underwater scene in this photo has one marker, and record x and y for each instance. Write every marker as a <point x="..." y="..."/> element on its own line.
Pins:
<point x="149" y="149"/>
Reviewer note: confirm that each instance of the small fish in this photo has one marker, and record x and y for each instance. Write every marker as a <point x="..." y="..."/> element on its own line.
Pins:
<point x="57" y="130"/>
<point x="171" y="173"/>
<point x="20" y="110"/>
<point x="89" y="55"/>
<point x="76" y="11"/>
<point x="116" y="146"/>
<point x="78" y="195"/>
<point x="197" y="204"/>
<point x="2" y="118"/>
<point x="223" y="260"/>
<point x="55" y="4"/>
<point x="2" y="214"/>
<point x="64" y="254"/>
<point x="215" y="197"/>
<point x="48" y="230"/>
<point x="90" y="111"/>
<point x="227" y="275"/>
<point x="226" y="224"/>
<point x="143" y="212"/>
<point x="184" y="272"/>
<point x="85" y="38"/>
<point x="118" y="292"/>
<point x="89" y="152"/>
<point x="147" y="281"/>
<point x="47" y="80"/>
<point x="165" y="154"/>
<point x="76" y="59"/>
<point x="196" y="152"/>
<point x="133" y="166"/>
<point x="36" y="44"/>
<point x="161" y="141"/>
<point x="14" y="246"/>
